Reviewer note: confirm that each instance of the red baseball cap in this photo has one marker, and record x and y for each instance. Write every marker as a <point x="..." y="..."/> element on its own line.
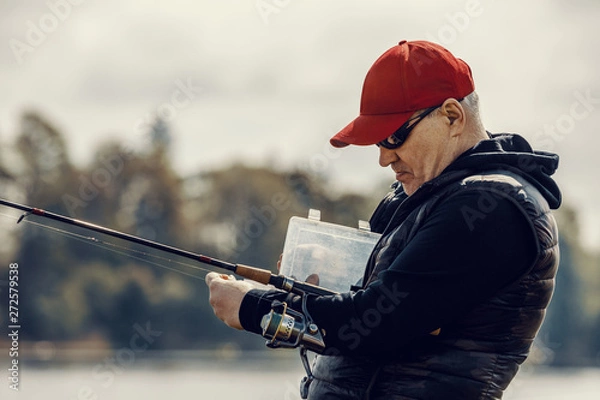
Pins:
<point x="408" y="77"/>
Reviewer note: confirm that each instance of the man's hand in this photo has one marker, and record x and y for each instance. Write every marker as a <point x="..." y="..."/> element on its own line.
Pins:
<point x="226" y="294"/>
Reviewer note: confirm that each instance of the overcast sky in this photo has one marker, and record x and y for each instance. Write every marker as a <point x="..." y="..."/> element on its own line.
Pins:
<point x="270" y="81"/>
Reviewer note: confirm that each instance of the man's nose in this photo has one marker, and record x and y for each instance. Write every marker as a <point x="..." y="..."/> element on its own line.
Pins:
<point x="386" y="156"/>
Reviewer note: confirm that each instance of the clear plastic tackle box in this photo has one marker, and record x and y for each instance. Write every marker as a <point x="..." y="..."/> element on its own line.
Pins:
<point x="336" y="254"/>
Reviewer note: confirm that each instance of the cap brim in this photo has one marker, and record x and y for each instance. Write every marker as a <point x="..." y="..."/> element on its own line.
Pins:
<point x="367" y="130"/>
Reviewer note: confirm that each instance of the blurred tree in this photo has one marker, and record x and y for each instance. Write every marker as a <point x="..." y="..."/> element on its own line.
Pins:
<point x="44" y="174"/>
<point x="151" y="192"/>
<point x="160" y="138"/>
<point x="240" y="213"/>
<point x="141" y="195"/>
<point x="46" y="170"/>
<point x="572" y="310"/>
<point x="565" y="314"/>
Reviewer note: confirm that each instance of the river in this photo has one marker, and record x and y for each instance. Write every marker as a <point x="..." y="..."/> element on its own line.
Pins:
<point x="248" y="379"/>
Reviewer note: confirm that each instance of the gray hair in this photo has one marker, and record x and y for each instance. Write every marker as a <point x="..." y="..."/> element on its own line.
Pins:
<point x="471" y="105"/>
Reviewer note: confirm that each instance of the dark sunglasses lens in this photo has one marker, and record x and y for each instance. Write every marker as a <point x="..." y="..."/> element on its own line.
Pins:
<point x="399" y="137"/>
<point x="391" y="142"/>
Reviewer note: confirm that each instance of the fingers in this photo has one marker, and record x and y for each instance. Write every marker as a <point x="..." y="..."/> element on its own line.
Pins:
<point x="212" y="276"/>
<point x="313" y="279"/>
<point x="225" y="296"/>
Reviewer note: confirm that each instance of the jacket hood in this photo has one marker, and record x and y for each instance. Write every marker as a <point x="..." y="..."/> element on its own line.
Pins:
<point x="513" y="152"/>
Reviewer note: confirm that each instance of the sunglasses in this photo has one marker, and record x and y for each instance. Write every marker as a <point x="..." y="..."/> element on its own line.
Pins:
<point x="398" y="138"/>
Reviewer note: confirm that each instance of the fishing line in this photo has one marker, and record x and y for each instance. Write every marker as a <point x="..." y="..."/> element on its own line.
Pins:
<point x="282" y="327"/>
<point x="259" y="275"/>
<point x="115" y="248"/>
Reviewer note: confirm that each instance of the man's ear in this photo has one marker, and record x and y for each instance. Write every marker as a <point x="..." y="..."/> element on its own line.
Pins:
<point x="455" y="114"/>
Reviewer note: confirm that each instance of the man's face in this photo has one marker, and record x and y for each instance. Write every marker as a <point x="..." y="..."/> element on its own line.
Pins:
<point x="427" y="151"/>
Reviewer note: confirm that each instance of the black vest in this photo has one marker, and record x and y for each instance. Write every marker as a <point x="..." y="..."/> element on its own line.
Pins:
<point x="476" y="356"/>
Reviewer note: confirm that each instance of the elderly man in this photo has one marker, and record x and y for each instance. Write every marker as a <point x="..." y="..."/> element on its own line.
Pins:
<point x="456" y="289"/>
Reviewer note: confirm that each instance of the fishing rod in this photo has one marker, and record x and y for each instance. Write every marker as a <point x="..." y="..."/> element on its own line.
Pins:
<point x="283" y="327"/>
<point x="256" y="274"/>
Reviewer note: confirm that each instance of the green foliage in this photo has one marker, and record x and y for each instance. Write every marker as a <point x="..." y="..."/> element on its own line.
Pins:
<point x="77" y="289"/>
<point x="74" y="289"/>
<point x="570" y="330"/>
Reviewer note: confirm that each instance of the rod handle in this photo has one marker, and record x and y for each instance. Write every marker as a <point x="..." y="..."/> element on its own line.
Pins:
<point x="256" y="274"/>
